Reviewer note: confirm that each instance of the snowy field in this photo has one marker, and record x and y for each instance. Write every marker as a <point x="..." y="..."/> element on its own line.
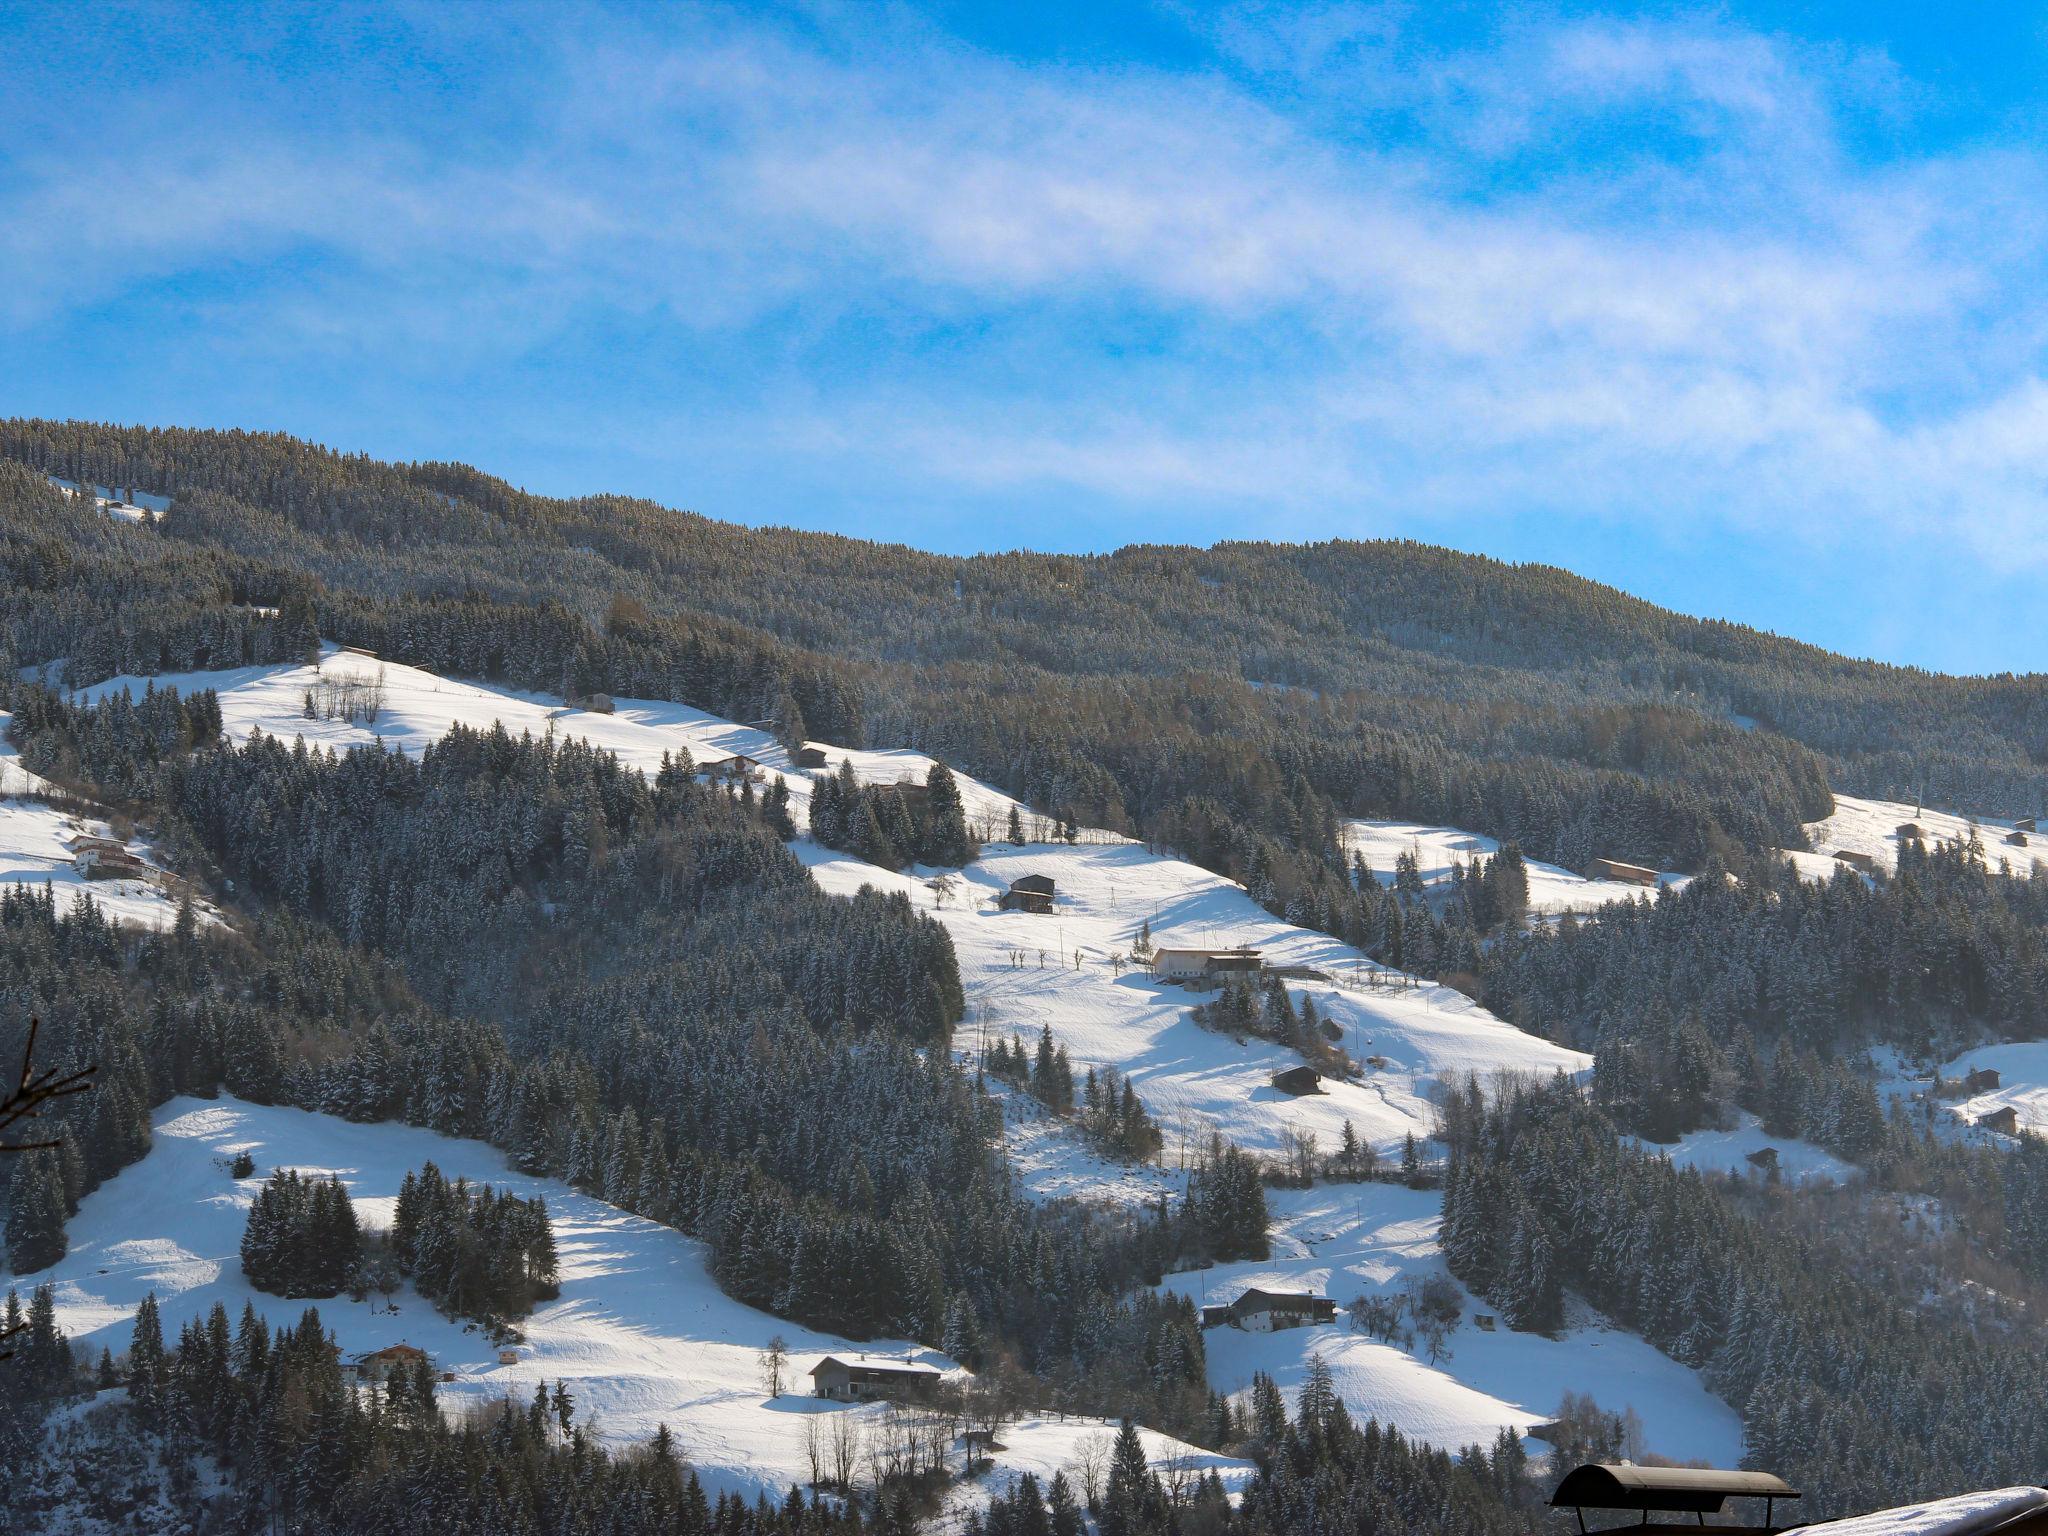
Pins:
<point x="1069" y="970"/>
<point x="417" y="708"/>
<point x="1871" y="827"/>
<point x="2022" y="1068"/>
<point x="14" y="778"/>
<point x="35" y="850"/>
<point x="1799" y="1162"/>
<point x="1052" y="1161"/>
<point x="641" y="1333"/>
<point x="124" y="502"/>
<point x="1019" y="968"/>
<point x="1552" y="888"/>
<point x="1024" y="969"/>
<point x="1342" y="1241"/>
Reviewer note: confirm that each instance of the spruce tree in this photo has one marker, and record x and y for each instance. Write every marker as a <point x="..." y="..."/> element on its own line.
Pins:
<point x="35" y="1213"/>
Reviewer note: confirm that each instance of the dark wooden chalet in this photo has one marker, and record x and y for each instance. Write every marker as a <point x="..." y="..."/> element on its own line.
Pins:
<point x="1298" y="1080"/>
<point x="810" y="757"/>
<point x="2004" y="1120"/>
<point x="1032" y="893"/>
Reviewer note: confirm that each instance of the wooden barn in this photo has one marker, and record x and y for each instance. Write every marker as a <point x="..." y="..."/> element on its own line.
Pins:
<point x="1258" y="1311"/>
<point x="1298" y="1080"/>
<point x="2005" y="1120"/>
<point x="810" y="757"/>
<point x="2016" y="839"/>
<point x="864" y="1377"/>
<point x="1031" y="893"/>
<point x="1614" y="869"/>
<point x="1983" y="1080"/>
<point x="1909" y="830"/>
<point x="2024" y="824"/>
<point x="1855" y="860"/>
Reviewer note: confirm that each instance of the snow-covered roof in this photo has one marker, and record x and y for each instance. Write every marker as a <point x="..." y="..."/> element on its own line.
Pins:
<point x="1969" y="1514"/>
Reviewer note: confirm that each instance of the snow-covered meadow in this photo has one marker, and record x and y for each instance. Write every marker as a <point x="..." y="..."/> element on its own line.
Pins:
<point x="1871" y="828"/>
<point x="1344" y="1241"/>
<point x="1552" y="888"/>
<point x="1068" y="971"/>
<point x="641" y="1333"/>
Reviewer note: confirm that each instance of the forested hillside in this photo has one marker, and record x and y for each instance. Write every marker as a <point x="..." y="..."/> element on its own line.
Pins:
<point x="627" y="979"/>
<point x="1287" y="683"/>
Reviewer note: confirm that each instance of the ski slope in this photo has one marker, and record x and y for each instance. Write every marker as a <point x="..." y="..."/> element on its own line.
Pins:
<point x="1552" y="888"/>
<point x="641" y="1333"/>
<point x="1343" y="1241"/>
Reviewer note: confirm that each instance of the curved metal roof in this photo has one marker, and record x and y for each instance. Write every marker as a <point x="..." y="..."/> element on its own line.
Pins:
<point x="1671" y="1490"/>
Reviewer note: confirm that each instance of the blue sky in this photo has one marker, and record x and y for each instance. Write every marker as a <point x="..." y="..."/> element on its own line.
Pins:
<point x="1742" y="309"/>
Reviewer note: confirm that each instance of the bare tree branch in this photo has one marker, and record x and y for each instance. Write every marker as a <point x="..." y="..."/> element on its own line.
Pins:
<point x="35" y="1090"/>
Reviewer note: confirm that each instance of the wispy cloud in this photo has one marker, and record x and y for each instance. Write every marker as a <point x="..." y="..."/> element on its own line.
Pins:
<point x="1629" y="271"/>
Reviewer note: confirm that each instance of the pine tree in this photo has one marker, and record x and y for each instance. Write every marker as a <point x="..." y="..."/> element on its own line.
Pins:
<point x="35" y="1213"/>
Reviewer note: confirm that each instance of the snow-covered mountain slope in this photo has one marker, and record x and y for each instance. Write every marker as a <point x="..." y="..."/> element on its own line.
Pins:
<point x="1799" y="1162"/>
<point x="1343" y="1241"/>
<point x="36" y="849"/>
<point x="1107" y="887"/>
<point x="1021" y="971"/>
<point x="1871" y="827"/>
<point x="1051" y="1160"/>
<point x="641" y="1333"/>
<point x="415" y="708"/>
<point x="1552" y="888"/>
<point x="14" y="778"/>
<point x="2022" y="1068"/>
<point x="1060" y="970"/>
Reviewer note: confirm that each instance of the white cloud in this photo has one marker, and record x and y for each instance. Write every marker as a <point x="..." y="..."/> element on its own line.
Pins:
<point x="1632" y="271"/>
